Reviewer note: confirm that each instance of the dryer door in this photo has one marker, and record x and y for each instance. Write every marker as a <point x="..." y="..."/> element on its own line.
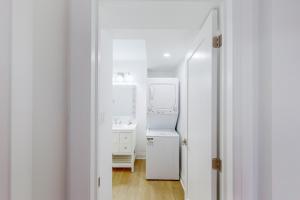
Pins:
<point x="163" y="97"/>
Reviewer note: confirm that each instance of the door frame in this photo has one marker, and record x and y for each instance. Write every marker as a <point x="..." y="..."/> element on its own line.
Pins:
<point x="239" y="181"/>
<point x="238" y="178"/>
<point x="238" y="147"/>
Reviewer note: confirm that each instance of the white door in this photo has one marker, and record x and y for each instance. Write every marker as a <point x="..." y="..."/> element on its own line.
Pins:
<point x="202" y="115"/>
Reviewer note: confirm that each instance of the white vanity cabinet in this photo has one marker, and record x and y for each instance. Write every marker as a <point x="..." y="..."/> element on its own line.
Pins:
<point x="124" y="142"/>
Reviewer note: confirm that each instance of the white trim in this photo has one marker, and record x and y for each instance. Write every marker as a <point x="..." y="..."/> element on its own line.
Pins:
<point x="94" y="98"/>
<point x="239" y="148"/>
<point x="182" y="185"/>
<point x="227" y="102"/>
<point x="243" y="28"/>
<point x="184" y="189"/>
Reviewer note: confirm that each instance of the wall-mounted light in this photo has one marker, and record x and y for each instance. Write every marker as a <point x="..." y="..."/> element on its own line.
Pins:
<point x="123" y="77"/>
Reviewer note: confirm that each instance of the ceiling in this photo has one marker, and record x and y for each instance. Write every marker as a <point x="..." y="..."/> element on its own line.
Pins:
<point x="157" y="43"/>
<point x="163" y="26"/>
<point x="129" y="50"/>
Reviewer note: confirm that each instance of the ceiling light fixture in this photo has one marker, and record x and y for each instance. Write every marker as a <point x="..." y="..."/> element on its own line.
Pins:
<point x="167" y="55"/>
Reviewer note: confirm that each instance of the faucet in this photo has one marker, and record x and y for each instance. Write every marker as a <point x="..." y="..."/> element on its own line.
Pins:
<point x="116" y="121"/>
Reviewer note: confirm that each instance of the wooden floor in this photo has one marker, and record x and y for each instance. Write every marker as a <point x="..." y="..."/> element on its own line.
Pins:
<point x="134" y="186"/>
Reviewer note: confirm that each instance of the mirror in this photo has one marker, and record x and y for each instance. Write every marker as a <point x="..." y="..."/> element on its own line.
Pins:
<point x="124" y="100"/>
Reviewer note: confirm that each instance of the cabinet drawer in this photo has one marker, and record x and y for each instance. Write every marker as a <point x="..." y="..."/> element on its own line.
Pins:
<point x="125" y="148"/>
<point x="125" y="138"/>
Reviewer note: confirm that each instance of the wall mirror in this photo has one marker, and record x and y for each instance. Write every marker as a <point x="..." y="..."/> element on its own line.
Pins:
<point x="124" y="100"/>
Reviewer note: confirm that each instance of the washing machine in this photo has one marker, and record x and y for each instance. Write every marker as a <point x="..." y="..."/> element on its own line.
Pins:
<point x="162" y="151"/>
<point x="162" y="157"/>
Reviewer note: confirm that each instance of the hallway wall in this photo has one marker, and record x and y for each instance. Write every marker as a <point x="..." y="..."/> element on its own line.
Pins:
<point x="21" y="99"/>
<point x="49" y="114"/>
<point x="278" y="99"/>
<point x="162" y="73"/>
<point x="79" y="100"/>
<point x="264" y="107"/>
<point x="285" y="136"/>
<point x="5" y="47"/>
<point x="38" y="109"/>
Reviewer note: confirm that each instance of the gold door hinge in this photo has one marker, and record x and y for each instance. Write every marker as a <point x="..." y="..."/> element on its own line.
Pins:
<point x="217" y="164"/>
<point x="184" y="142"/>
<point x="217" y="41"/>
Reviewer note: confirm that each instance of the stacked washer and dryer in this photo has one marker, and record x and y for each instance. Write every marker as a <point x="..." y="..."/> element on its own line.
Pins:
<point x="162" y="151"/>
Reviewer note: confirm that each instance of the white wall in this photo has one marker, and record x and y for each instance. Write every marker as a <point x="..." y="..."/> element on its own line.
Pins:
<point x="264" y="95"/>
<point x="104" y="136"/>
<point x="5" y="50"/>
<point x="285" y="64"/>
<point x="79" y="100"/>
<point x="139" y="71"/>
<point x="49" y="100"/>
<point x="21" y="99"/>
<point x="162" y="73"/>
<point x="278" y="106"/>
<point x="273" y="43"/>
<point x="38" y="99"/>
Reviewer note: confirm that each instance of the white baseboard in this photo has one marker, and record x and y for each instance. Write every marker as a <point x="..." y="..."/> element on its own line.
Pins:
<point x="140" y="155"/>
<point x="181" y="181"/>
<point x="184" y="189"/>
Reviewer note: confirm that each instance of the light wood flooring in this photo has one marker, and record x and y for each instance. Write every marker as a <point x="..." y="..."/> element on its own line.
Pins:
<point x="134" y="186"/>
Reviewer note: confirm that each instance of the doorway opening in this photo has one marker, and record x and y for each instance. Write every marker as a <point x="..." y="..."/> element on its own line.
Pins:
<point x="157" y="63"/>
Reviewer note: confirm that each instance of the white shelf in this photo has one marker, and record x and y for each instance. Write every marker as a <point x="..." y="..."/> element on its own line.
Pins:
<point x="123" y="161"/>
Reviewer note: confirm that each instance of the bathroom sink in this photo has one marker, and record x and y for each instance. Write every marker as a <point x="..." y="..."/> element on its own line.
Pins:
<point x="124" y="127"/>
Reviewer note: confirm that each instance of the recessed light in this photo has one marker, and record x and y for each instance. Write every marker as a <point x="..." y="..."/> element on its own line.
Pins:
<point x="167" y="55"/>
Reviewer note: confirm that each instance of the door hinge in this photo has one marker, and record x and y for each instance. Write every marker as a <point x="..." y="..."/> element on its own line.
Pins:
<point x="184" y="142"/>
<point x="217" y="164"/>
<point x="217" y="41"/>
<point x="98" y="182"/>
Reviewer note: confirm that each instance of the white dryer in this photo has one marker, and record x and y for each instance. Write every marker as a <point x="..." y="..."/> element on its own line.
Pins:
<point x="162" y="151"/>
<point x="163" y="99"/>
